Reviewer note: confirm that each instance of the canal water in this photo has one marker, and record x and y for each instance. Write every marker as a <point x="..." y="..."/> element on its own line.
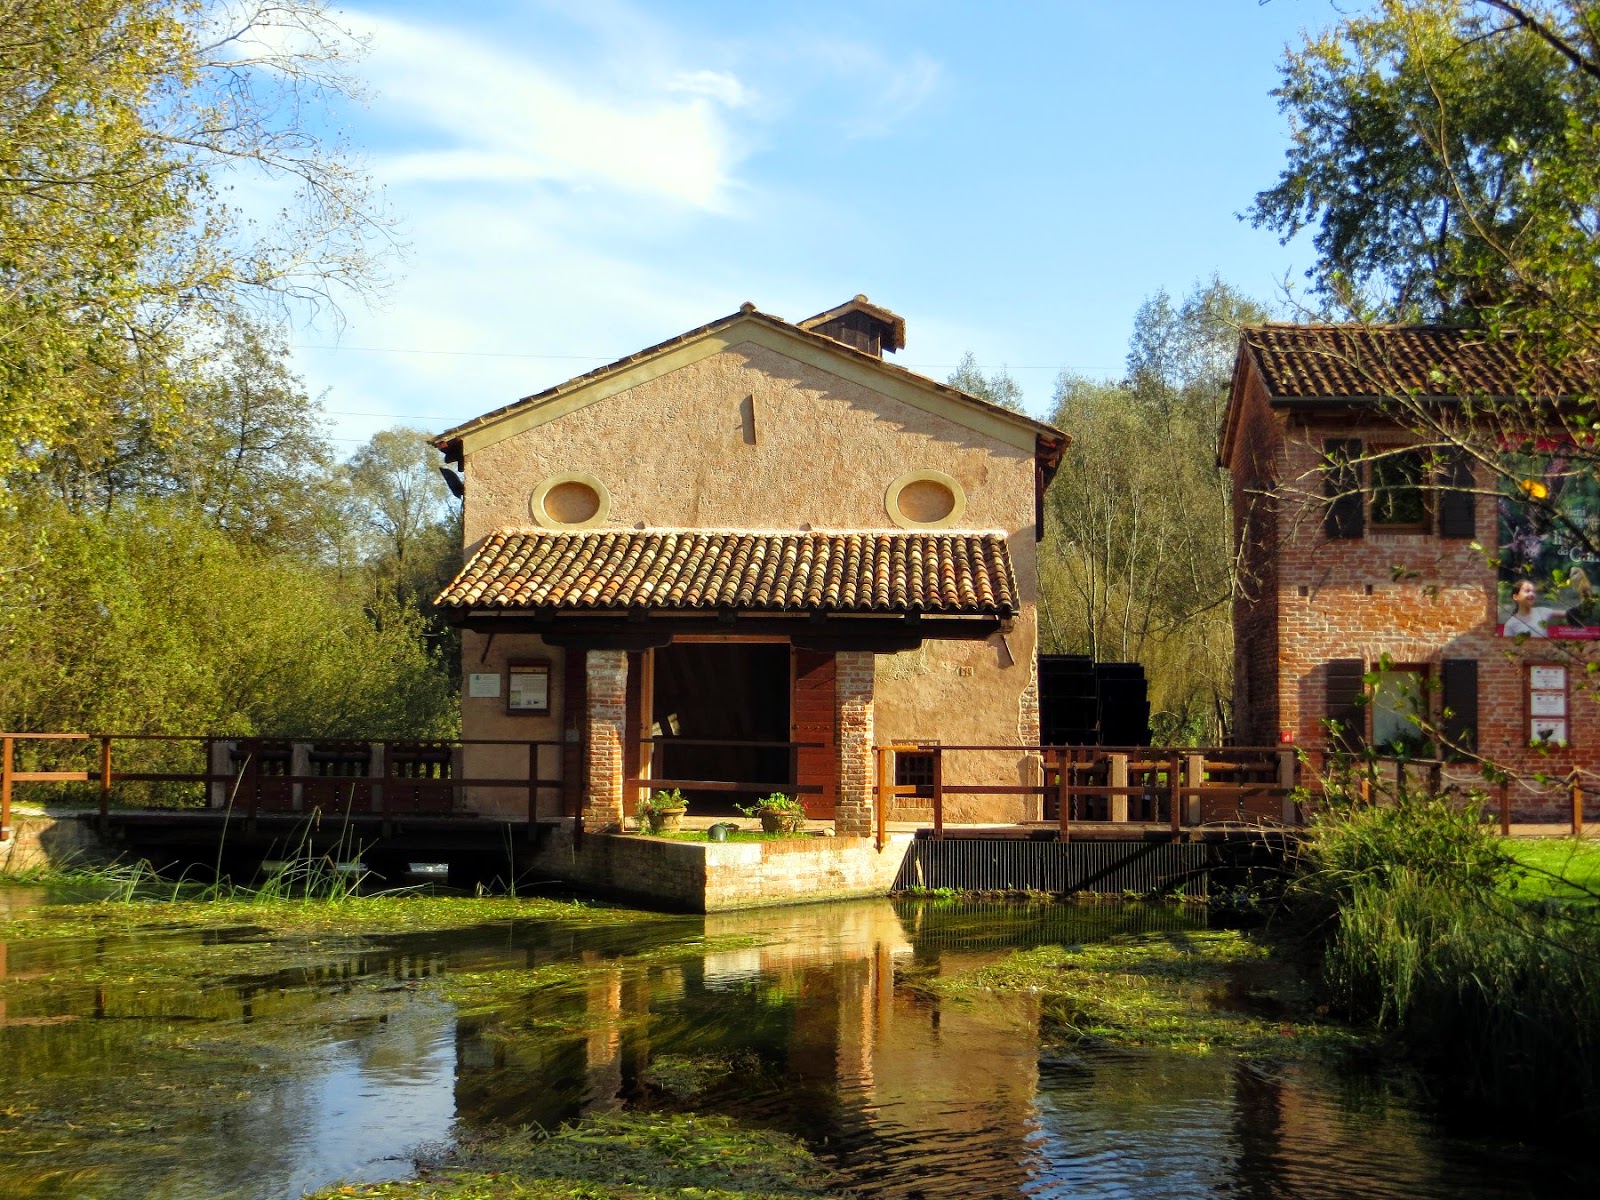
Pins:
<point x="227" y="1064"/>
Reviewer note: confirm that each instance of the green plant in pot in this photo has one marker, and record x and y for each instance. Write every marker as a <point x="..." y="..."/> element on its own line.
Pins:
<point x="778" y="813"/>
<point x="662" y="811"/>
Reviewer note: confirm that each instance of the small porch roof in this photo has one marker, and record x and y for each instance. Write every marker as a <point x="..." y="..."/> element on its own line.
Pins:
<point x="682" y="572"/>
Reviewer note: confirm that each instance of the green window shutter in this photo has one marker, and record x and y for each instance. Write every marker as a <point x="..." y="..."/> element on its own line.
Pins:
<point x="1345" y="516"/>
<point x="1346" y="687"/>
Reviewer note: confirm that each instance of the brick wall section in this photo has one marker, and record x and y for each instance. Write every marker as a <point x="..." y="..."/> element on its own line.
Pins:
<point x="607" y="711"/>
<point x="1417" y="597"/>
<point x="855" y="674"/>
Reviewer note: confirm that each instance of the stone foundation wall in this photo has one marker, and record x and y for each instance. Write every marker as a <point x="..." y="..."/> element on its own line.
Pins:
<point x="712" y="877"/>
<point x="38" y="842"/>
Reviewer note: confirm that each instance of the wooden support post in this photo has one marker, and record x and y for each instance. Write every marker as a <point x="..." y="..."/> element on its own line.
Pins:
<point x="252" y="781"/>
<point x="582" y="794"/>
<point x="1505" y="808"/>
<point x="1175" y="794"/>
<point x="1117" y="777"/>
<point x="1287" y="764"/>
<point x="1575" y="783"/>
<point x="938" y="793"/>
<point x="7" y="750"/>
<point x="105" y="779"/>
<point x="1064" y="793"/>
<point x="533" y="788"/>
<point x="885" y="794"/>
<point x="1195" y="770"/>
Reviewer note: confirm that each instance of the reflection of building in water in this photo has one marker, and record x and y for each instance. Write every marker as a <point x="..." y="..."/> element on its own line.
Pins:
<point x="808" y="1016"/>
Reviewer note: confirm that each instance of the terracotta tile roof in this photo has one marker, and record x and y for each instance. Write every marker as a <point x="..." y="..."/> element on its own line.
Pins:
<point x="950" y="574"/>
<point x="1315" y="361"/>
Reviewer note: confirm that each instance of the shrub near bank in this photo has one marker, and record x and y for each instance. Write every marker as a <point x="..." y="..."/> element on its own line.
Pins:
<point x="1414" y="914"/>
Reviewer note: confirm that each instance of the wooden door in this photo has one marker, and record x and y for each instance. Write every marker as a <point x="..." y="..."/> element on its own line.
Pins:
<point x="574" y="725"/>
<point x="812" y="718"/>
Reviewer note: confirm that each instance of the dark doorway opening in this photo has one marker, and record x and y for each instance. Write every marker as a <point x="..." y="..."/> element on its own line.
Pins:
<point x="726" y="692"/>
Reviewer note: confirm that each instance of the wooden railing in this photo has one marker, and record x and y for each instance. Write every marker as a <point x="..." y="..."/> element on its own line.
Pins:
<point x="638" y="784"/>
<point x="1180" y="788"/>
<point x="386" y="778"/>
<point x="1377" y="778"/>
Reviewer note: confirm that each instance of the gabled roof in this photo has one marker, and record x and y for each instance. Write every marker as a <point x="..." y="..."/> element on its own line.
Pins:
<point x="1338" y="361"/>
<point x="943" y="574"/>
<point x="1317" y="365"/>
<point x="894" y="322"/>
<point x="750" y="324"/>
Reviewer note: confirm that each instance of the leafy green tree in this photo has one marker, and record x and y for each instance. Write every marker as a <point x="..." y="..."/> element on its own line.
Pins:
<point x="1137" y="563"/>
<point x="997" y="387"/>
<point x="1446" y="156"/>
<point x="124" y="125"/>
<point x="151" y="619"/>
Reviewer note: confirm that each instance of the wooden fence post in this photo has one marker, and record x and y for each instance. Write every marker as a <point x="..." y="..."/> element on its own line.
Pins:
<point x="1505" y="808"/>
<point x="938" y="793"/>
<point x="1575" y="782"/>
<point x="7" y="747"/>
<point x="1194" y="768"/>
<point x="1175" y="793"/>
<point x="1286" y="780"/>
<point x="105" y="781"/>
<point x="1117" y="777"/>
<point x="533" y="786"/>
<point x="881" y="817"/>
<point x="1064" y="793"/>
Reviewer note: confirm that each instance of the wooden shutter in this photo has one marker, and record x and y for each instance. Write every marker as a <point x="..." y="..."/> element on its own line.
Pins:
<point x="1346" y="512"/>
<point x="1458" y="690"/>
<point x="812" y="708"/>
<point x="1346" y="688"/>
<point x="1457" y="504"/>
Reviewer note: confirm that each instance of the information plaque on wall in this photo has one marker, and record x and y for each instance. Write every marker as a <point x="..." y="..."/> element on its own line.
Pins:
<point x="1547" y="705"/>
<point x="528" y="688"/>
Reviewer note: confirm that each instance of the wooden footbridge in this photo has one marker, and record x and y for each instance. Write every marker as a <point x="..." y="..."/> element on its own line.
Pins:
<point x="185" y="797"/>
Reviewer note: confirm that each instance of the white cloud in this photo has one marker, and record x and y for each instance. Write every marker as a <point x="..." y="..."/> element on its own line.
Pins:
<point x="721" y="86"/>
<point x="505" y="116"/>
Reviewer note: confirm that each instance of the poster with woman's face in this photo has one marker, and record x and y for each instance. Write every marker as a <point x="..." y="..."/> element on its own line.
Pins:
<point x="1549" y="530"/>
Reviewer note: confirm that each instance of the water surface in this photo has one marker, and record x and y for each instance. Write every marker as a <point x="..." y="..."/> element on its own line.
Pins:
<point x="188" y="1065"/>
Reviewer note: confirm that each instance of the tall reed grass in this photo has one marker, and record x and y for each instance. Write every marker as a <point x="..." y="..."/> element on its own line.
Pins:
<point x="1412" y="916"/>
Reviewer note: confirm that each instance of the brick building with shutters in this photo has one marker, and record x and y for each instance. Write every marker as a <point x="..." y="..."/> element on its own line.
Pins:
<point x="747" y="555"/>
<point x="1370" y="545"/>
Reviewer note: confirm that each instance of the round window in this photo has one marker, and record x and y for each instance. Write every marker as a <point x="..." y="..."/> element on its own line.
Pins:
<point x="925" y="499"/>
<point x="574" y="500"/>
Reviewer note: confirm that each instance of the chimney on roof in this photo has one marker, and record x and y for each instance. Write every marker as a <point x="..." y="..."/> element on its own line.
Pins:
<point x="861" y="324"/>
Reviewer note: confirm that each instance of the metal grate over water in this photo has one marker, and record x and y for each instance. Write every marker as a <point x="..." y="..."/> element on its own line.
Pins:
<point x="1008" y="864"/>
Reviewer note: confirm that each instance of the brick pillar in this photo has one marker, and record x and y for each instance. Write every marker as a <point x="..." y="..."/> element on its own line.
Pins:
<point x="605" y="715"/>
<point x="854" y="672"/>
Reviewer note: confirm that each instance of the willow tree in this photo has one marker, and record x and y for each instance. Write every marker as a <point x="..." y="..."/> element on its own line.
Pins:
<point x="1138" y="563"/>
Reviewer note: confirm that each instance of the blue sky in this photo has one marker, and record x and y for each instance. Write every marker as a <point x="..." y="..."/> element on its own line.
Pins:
<point x="578" y="181"/>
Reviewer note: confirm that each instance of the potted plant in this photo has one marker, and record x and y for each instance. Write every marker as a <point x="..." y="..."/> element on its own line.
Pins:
<point x="662" y="811"/>
<point x="778" y="813"/>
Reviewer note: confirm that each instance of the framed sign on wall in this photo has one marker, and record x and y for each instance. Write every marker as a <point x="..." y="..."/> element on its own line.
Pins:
<point x="528" y="688"/>
<point x="1547" y="704"/>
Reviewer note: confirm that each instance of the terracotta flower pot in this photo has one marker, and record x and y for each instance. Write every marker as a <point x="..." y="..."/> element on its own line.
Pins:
<point x="664" y="820"/>
<point x="781" y="820"/>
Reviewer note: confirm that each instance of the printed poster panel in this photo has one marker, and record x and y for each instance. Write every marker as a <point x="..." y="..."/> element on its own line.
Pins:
<point x="1549" y="525"/>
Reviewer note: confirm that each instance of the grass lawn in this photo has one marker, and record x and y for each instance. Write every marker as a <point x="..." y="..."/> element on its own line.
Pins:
<point x="1556" y="869"/>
